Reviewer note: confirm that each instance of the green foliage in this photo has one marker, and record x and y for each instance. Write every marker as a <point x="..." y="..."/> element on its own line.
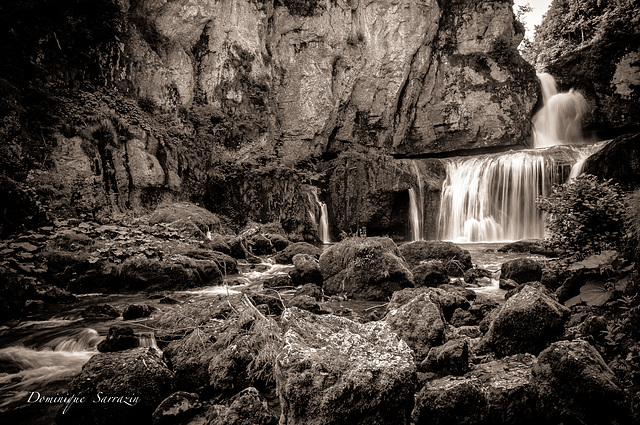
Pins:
<point x="585" y="215"/>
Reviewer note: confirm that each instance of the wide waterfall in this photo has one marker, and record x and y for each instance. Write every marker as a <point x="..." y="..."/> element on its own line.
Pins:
<point x="559" y="122"/>
<point x="493" y="197"/>
<point x="416" y="206"/>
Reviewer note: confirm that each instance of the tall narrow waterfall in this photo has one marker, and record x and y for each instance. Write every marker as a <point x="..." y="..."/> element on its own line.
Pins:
<point x="323" y="220"/>
<point x="416" y="206"/>
<point x="559" y="121"/>
<point x="493" y="197"/>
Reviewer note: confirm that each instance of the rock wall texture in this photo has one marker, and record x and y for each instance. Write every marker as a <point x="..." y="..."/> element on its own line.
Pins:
<point x="241" y="105"/>
<point x="411" y="76"/>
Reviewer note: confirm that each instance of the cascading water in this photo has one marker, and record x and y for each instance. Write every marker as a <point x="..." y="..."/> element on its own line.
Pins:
<point x="559" y="121"/>
<point x="416" y="206"/>
<point x="323" y="220"/>
<point x="493" y="197"/>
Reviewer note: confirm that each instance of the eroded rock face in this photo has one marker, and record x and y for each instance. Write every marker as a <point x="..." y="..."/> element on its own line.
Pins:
<point x="413" y="77"/>
<point x="333" y="370"/>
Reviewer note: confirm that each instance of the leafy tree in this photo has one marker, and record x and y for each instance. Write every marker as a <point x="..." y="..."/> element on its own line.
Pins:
<point x="585" y="215"/>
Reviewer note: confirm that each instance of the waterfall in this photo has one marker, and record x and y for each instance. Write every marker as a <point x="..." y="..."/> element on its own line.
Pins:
<point x="416" y="206"/>
<point x="493" y="197"/>
<point x="559" y="121"/>
<point x="321" y="222"/>
<point x="584" y="153"/>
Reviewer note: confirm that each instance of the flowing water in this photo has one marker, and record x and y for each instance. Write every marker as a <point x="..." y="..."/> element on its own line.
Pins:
<point x="559" y="121"/>
<point x="416" y="206"/>
<point x="321" y="218"/>
<point x="493" y="197"/>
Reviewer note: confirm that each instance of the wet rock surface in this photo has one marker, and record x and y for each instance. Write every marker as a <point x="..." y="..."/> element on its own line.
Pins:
<point x="455" y="259"/>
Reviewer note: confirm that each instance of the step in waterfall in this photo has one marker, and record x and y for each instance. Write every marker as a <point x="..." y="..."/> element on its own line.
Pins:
<point x="493" y="197"/>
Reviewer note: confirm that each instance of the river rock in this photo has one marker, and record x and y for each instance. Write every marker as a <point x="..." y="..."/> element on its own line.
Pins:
<point x="307" y="270"/>
<point x="202" y="218"/>
<point x="132" y="373"/>
<point x="522" y="270"/>
<point x="100" y="312"/>
<point x="137" y="311"/>
<point x="528" y="246"/>
<point x="261" y="245"/>
<point x="527" y="322"/>
<point x="364" y="268"/>
<point x="278" y="241"/>
<point x="286" y="256"/>
<point x="452" y="358"/>
<point x="334" y="370"/>
<point x="573" y="381"/>
<point x="472" y="275"/>
<point x="419" y="322"/>
<point x="218" y="243"/>
<point x="311" y="290"/>
<point x="305" y="302"/>
<point x="176" y="409"/>
<point x="446" y="301"/>
<point x="430" y="273"/>
<point x="119" y="338"/>
<point x="455" y="259"/>
<point x="248" y="407"/>
<point x="498" y="392"/>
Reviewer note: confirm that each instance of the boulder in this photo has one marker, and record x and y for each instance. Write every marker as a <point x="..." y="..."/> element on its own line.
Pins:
<point x="311" y="290"/>
<point x="522" y="270"/>
<point x="100" y="312"/>
<point x="261" y="245"/>
<point x="307" y="270"/>
<point x="287" y="254"/>
<point x="430" y="273"/>
<point x="618" y="160"/>
<point x="456" y="260"/>
<point x="527" y="323"/>
<point x="218" y="243"/>
<point x="123" y="387"/>
<point x="334" y="370"/>
<point x="202" y="218"/>
<point x="497" y="393"/>
<point x="472" y="275"/>
<point x="446" y="301"/>
<point x="176" y="409"/>
<point x="279" y="242"/>
<point x="573" y="381"/>
<point x="419" y="322"/>
<point x="528" y="246"/>
<point x="305" y="302"/>
<point x="248" y="407"/>
<point x="364" y="268"/>
<point x="137" y="311"/>
<point x="452" y="358"/>
<point x="119" y="338"/>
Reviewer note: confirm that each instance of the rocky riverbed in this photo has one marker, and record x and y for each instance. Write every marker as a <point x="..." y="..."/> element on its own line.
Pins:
<point x="360" y="332"/>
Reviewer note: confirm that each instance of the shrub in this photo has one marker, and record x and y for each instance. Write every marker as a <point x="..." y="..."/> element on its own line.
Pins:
<point x="632" y="223"/>
<point x="585" y="215"/>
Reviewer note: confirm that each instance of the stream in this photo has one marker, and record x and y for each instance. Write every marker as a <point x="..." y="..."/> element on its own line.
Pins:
<point x="42" y="353"/>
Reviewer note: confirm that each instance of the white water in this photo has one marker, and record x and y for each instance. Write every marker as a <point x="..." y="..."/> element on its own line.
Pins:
<point x="416" y="206"/>
<point x="322" y="222"/>
<point x="584" y="153"/>
<point x="59" y="359"/>
<point x="559" y="122"/>
<point x="493" y="197"/>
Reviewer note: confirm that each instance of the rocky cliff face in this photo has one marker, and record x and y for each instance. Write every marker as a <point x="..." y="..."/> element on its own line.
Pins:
<point x="147" y="100"/>
<point x="411" y="76"/>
